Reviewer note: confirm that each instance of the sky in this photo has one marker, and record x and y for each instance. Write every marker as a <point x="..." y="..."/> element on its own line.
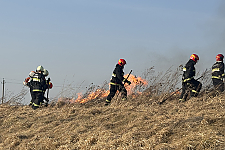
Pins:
<point x="80" y="41"/>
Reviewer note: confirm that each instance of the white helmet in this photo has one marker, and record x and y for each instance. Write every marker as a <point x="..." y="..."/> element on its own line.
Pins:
<point x="40" y="68"/>
<point x="31" y="74"/>
<point x="45" y="72"/>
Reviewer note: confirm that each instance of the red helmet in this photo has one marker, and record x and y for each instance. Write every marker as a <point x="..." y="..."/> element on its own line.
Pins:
<point x="121" y="62"/>
<point x="194" y="57"/>
<point x="219" y="57"/>
<point x="50" y="85"/>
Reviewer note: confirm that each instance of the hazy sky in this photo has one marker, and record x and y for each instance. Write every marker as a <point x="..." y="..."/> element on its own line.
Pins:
<point x="80" y="41"/>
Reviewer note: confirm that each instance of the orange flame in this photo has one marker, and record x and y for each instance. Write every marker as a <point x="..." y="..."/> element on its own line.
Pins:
<point x="134" y="88"/>
<point x="99" y="93"/>
<point x="136" y="82"/>
<point x="177" y="92"/>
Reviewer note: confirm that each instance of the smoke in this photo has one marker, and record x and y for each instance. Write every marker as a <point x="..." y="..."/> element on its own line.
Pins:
<point x="211" y="44"/>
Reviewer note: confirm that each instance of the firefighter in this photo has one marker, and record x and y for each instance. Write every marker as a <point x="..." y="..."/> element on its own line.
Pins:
<point x="188" y="80"/>
<point x="218" y="73"/>
<point x="49" y="86"/>
<point x="26" y="83"/>
<point x="37" y="85"/>
<point x="117" y="82"/>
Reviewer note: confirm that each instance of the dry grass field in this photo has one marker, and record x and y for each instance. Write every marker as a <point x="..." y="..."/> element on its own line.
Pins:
<point x="84" y="123"/>
<point x="135" y="124"/>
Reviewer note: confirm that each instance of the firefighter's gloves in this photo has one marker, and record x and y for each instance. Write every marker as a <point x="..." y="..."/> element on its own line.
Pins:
<point x="24" y="83"/>
<point x="128" y="82"/>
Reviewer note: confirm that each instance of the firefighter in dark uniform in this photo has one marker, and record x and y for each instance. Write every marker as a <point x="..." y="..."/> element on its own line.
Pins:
<point x="37" y="83"/>
<point x="117" y="82"/>
<point x="188" y="79"/>
<point x="26" y="83"/>
<point x="48" y="86"/>
<point x="218" y="73"/>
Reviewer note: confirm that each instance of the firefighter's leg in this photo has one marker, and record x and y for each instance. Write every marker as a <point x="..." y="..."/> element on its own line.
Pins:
<point x="222" y="87"/>
<point x="218" y="84"/>
<point x="183" y="96"/>
<point x="32" y="97"/>
<point x="123" y="91"/>
<point x="35" y="100"/>
<point x="113" y="89"/>
<point x="38" y="100"/>
<point x="197" y="87"/>
<point x="43" y="97"/>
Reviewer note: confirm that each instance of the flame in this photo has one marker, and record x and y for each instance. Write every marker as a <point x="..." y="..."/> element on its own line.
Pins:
<point x="177" y="92"/>
<point x="137" y="83"/>
<point x="99" y="93"/>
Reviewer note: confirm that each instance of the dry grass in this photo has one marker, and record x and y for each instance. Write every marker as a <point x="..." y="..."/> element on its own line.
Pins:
<point x="138" y="123"/>
<point x="135" y="124"/>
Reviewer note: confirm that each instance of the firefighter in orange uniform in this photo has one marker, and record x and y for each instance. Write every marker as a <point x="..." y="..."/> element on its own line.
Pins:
<point x="117" y="82"/>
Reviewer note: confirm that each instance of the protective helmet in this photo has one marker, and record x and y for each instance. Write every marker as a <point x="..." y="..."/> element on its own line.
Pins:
<point x="27" y="79"/>
<point x="219" y="57"/>
<point x="50" y="85"/>
<point x="194" y="57"/>
<point x="45" y="72"/>
<point x="40" y="68"/>
<point x="31" y="74"/>
<point x="121" y="62"/>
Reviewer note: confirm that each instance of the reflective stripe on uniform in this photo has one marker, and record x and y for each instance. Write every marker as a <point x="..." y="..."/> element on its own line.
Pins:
<point x="216" y="69"/>
<point x="123" y="99"/>
<point x="36" y="79"/>
<point x="114" y="75"/>
<point x="215" y="77"/>
<point x="36" y="105"/>
<point x="181" y="100"/>
<point x="113" y="83"/>
<point x="36" y="90"/>
<point x="188" y="79"/>
<point x="108" y="101"/>
<point x="185" y="69"/>
<point x="194" y="91"/>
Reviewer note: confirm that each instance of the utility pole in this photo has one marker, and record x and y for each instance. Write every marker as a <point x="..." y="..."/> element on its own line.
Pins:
<point x="3" y="89"/>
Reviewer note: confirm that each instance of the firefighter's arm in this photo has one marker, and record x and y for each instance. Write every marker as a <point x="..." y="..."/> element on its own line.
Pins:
<point x="222" y="71"/>
<point x="187" y="73"/>
<point x="119" y="75"/>
<point x="26" y="81"/>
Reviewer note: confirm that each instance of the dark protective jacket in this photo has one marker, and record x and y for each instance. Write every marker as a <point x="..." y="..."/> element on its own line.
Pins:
<point x="117" y="76"/>
<point x="38" y="82"/>
<point x="218" y="70"/>
<point x="189" y="71"/>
